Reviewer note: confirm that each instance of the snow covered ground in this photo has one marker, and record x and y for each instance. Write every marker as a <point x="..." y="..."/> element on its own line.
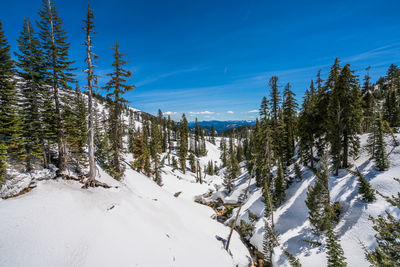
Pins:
<point x="135" y="223"/>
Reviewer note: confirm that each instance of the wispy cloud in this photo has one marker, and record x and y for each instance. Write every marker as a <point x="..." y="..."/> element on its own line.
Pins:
<point x="253" y="111"/>
<point x="165" y="75"/>
<point x="387" y="49"/>
<point x="170" y="113"/>
<point x="230" y="112"/>
<point x="206" y="112"/>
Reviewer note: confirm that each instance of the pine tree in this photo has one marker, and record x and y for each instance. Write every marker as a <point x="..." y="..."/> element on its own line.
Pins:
<point x="239" y="152"/>
<point x="269" y="209"/>
<point x="75" y="129"/>
<point x="58" y="70"/>
<point x="262" y="147"/>
<point x="30" y="64"/>
<point x="183" y="146"/>
<point x="196" y="138"/>
<point x="279" y="190"/>
<point x="101" y="140"/>
<point x="212" y="134"/>
<point x="224" y="157"/>
<point x="391" y="95"/>
<point x="318" y="199"/>
<point x="155" y="150"/>
<point x="202" y="146"/>
<point x="192" y="163"/>
<point x="308" y="127"/>
<point x="140" y="152"/>
<point x="270" y="241"/>
<point x="365" y="189"/>
<point x="377" y="145"/>
<point x="321" y="102"/>
<point x="387" y="253"/>
<point x="368" y="102"/>
<point x="335" y="252"/>
<point x="344" y="113"/>
<point x="118" y="86"/>
<point x="289" y="107"/>
<point x="233" y="162"/>
<point x="275" y="103"/>
<point x="228" y="180"/>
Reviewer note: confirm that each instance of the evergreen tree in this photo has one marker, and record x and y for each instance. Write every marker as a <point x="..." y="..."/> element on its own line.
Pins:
<point x="268" y="201"/>
<point x="279" y="190"/>
<point x="391" y="95"/>
<point x="335" y="252"/>
<point x="140" y="152"/>
<point x="202" y="145"/>
<point x="377" y="145"/>
<point x="192" y="163"/>
<point x="118" y="86"/>
<point x="224" y="157"/>
<point x="308" y="127"/>
<point x="58" y="70"/>
<point x="155" y="150"/>
<point x="368" y="102"/>
<point x="212" y="134"/>
<point x="196" y="138"/>
<point x="294" y="262"/>
<point x="234" y="167"/>
<point x="30" y="64"/>
<point x="321" y="102"/>
<point x="365" y="189"/>
<point x="262" y="148"/>
<point x="387" y="253"/>
<point x="275" y="103"/>
<point x="270" y="241"/>
<point x="10" y="122"/>
<point x="101" y="140"/>
<point x="289" y="107"/>
<point x="344" y="113"/>
<point x="183" y="146"/>
<point x="318" y="199"/>
<point x="75" y="128"/>
<point x="228" y="180"/>
<point x="239" y="152"/>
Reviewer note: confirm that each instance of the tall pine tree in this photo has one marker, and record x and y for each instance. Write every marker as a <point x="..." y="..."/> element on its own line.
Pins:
<point x="58" y="69"/>
<point x="30" y="64"/>
<point x="118" y="87"/>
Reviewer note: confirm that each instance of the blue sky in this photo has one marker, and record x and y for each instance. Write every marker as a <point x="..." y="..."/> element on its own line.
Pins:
<point x="213" y="59"/>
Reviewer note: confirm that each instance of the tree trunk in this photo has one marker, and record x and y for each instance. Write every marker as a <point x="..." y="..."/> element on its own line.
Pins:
<point x="92" y="166"/>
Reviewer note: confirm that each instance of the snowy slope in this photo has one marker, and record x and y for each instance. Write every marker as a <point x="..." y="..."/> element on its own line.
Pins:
<point x="136" y="223"/>
<point x="292" y="224"/>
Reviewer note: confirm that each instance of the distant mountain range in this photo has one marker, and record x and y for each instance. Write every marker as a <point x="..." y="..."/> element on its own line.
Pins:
<point x="221" y="126"/>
